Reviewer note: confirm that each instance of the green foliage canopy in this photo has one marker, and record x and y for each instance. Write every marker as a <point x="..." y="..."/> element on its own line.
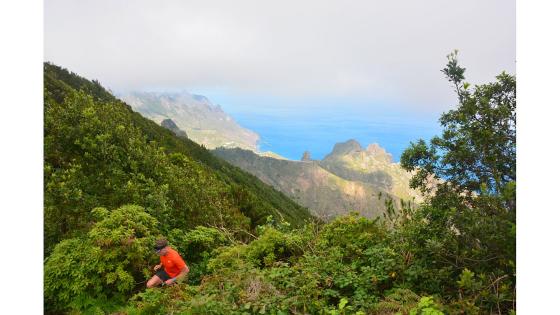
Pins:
<point x="476" y="152"/>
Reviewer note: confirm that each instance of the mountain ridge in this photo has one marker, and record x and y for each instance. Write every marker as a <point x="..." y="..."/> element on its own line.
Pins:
<point x="205" y="122"/>
<point x="329" y="189"/>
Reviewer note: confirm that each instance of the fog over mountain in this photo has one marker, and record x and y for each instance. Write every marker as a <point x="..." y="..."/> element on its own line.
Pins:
<point x="380" y="51"/>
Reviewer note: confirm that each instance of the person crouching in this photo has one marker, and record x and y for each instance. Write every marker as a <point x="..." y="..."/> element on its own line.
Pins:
<point x="174" y="267"/>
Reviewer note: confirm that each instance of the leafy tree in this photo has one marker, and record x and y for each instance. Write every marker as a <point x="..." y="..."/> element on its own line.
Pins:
<point x="469" y="221"/>
<point x="476" y="152"/>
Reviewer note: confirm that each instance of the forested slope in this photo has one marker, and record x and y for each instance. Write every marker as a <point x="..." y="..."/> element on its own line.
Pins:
<point x="98" y="152"/>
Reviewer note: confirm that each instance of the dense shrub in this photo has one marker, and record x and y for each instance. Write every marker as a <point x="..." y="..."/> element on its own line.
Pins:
<point x="104" y="266"/>
<point x="198" y="246"/>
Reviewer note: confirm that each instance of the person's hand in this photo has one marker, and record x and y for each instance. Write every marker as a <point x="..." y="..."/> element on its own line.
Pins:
<point x="156" y="267"/>
<point x="170" y="281"/>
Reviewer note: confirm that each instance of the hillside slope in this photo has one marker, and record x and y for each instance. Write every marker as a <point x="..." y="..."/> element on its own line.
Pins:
<point x="324" y="192"/>
<point x="99" y="152"/>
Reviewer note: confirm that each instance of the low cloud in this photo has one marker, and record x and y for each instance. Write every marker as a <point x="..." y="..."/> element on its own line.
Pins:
<point x="388" y="51"/>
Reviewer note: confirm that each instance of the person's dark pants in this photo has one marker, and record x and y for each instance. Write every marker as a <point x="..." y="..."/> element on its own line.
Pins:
<point x="162" y="275"/>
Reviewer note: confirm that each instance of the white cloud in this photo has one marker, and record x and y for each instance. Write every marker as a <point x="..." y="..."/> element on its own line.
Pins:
<point x="378" y="50"/>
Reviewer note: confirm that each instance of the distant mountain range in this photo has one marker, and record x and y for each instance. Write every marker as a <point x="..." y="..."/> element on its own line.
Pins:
<point x="204" y="122"/>
<point x="350" y="178"/>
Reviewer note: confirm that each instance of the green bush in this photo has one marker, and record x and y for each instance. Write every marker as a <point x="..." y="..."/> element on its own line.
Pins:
<point x="426" y="306"/>
<point x="103" y="267"/>
<point x="197" y="247"/>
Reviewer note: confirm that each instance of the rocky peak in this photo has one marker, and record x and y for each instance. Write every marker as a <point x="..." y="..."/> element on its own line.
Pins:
<point x="200" y="98"/>
<point x="306" y="156"/>
<point x="378" y="152"/>
<point x="342" y="148"/>
<point x="171" y="125"/>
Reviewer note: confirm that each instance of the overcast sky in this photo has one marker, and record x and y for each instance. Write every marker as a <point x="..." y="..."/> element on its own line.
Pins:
<point x="379" y="51"/>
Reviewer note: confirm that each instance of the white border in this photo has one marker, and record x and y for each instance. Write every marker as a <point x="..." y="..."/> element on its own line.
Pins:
<point x="21" y="168"/>
<point x="21" y="225"/>
<point x="538" y="214"/>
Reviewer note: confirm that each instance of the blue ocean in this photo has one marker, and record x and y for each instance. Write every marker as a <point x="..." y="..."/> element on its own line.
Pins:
<point x="291" y="131"/>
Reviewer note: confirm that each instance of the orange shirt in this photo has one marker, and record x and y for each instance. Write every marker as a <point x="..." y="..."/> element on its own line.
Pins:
<point x="172" y="262"/>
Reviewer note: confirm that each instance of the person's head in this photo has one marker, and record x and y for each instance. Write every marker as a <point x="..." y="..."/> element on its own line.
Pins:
<point x="161" y="246"/>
